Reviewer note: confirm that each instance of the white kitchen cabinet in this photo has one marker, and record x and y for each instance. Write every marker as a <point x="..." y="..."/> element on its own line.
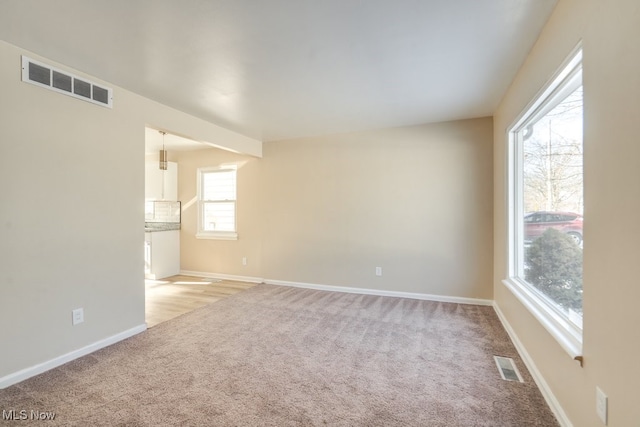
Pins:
<point x="159" y="184"/>
<point x="162" y="254"/>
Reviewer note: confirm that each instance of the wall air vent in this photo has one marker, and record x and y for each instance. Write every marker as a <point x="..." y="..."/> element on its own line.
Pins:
<point x="43" y="75"/>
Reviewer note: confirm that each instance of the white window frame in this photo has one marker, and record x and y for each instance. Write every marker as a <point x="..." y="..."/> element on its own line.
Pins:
<point x="557" y="323"/>
<point x="218" y="235"/>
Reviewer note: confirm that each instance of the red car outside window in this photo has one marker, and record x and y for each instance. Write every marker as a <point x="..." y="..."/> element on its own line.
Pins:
<point x="535" y="223"/>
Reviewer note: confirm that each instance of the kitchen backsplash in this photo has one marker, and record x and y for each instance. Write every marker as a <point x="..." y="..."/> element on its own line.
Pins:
<point x="162" y="211"/>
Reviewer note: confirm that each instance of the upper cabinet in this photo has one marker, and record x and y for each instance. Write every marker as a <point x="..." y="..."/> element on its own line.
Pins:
<point x="159" y="184"/>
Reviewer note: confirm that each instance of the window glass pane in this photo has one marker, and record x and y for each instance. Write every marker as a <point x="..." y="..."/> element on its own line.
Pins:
<point x="219" y="185"/>
<point x="552" y="197"/>
<point x="219" y="216"/>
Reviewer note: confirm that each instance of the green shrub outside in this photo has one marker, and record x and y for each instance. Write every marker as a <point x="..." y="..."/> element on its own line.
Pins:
<point x="553" y="264"/>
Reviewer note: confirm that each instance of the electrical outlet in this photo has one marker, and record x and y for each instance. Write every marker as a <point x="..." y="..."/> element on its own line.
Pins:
<point x="77" y="316"/>
<point x="378" y="271"/>
<point x="601" y="405"/>
<point x="244" y="260"/>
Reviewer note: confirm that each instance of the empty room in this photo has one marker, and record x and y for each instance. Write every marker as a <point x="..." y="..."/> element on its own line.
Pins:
<point x="319" y="212"/>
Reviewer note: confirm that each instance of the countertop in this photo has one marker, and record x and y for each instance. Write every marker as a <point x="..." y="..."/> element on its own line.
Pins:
<point x="151" y="227"/>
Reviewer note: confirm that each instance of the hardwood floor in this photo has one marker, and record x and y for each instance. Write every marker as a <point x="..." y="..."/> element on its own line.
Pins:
<point x="176" y="295"/>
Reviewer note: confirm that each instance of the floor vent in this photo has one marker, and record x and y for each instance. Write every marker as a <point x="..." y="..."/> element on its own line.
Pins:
<point x="507" y="369"/>
<point x="44" y="75"/>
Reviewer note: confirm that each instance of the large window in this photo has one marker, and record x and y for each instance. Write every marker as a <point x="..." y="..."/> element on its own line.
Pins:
<point x="217" y="203"/>
<point x="546" y="205"/>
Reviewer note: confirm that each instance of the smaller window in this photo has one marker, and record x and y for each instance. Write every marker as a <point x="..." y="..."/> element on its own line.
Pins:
<point x="217" y="203"/>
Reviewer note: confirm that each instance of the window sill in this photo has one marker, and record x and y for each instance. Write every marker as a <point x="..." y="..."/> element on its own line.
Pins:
<point x="220" y="235"/>
<point x="568" y="335"/>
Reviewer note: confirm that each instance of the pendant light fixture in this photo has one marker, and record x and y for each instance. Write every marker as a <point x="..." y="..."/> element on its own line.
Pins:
<point x="163" y="154"/>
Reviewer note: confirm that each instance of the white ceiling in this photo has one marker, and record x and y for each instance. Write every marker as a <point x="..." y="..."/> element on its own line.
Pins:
<point x="279" y="69"/>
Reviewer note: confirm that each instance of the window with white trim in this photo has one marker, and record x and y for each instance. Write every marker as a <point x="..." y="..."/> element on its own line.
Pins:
<point x="217" y="203"/>
<point x="546" y="206"/>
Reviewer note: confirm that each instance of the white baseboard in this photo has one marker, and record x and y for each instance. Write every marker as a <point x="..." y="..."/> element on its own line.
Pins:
<point x="332" y="288"/>
<point x="221" y="276"/>
<point x="397" y="294"/>
<point x="535" y="373"/>
<point x="32" y="371"/>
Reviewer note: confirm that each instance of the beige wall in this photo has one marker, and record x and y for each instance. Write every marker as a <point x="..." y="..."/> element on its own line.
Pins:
<point x="72" y="213"/>
<point x="611" y="77"/>
<point x="416" y="201"/>
<point x="222" y="256"/>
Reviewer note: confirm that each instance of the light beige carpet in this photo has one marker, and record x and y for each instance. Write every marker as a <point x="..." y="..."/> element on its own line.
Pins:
<point x="279" y="356"/>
